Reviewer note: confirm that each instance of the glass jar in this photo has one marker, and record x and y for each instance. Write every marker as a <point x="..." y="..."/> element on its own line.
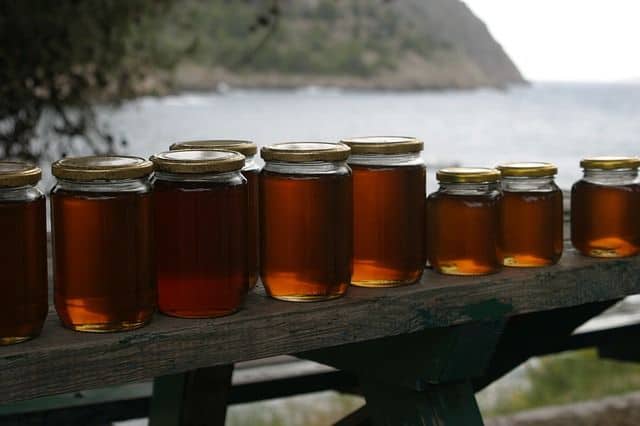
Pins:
<point x="251" y="170"/>
<point x="306" y="221"/>
<point x="201" y="232"/>
<point x="605" y="205"/>
<point x="23" y="253"/>
<point x="464" y="221"/>
<point x="389" y="195"/>
<point x="103" y="249"/>
<point x="531" y="216"/>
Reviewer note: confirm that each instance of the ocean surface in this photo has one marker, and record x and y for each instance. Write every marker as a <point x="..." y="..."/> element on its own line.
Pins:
<point x="553" y="122"/>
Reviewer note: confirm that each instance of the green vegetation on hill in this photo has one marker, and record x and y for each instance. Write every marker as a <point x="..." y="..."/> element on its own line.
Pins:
<point x="399" y="44"/>
<point x="349" y="37"/>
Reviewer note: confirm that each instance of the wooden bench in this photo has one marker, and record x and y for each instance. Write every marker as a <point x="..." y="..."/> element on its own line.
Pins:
<point x="417" y="353"/>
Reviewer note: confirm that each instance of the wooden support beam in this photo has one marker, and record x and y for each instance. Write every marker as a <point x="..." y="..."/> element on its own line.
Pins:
<point x="451" y="404"/>
<point x="195" y="398"/>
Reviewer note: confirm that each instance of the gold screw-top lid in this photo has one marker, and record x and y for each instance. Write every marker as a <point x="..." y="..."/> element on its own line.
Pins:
<point x="245" y="148"/>
<point x="527" y="169"/>
<point x="610" y="163"/>
<point x="384" y="144"/>
<point x="193" y="161"/>
<point x="18" y="173"/>
<point x="304" y="152"/>
<point x="468" y="175"/>
<point x="101" y="167"/>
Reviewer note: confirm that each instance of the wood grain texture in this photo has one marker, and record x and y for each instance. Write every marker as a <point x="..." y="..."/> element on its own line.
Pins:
<point x="66" y="361"/>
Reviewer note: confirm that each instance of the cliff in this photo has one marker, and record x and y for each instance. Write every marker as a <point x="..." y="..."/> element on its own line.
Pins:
<point x="400" y="44"/>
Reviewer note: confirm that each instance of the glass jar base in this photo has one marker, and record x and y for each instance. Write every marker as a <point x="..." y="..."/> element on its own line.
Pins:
<point x="465" y="268"/>
<point x="108" y="327"/>
<point x="527" y="261"/>
<point x="4" y="341"/>
<point x="306" y="298"/>
<point x="610" y="253"/>
<point x="191" y="314"/>
<point x="383" y="283"/>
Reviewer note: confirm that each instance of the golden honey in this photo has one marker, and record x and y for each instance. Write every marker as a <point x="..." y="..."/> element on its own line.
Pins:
<point x="389" y="185"/>
<point x="463" y="222"/>
<point x="604" y="208"/>
<point x="103" y="249"/>
<point x="531" y="215"/>
<point x="23" y="253"/>
<point x="306" y="221"/>
<point x="201" y="232"/>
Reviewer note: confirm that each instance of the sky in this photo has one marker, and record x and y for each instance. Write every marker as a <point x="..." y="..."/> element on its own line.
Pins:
<point x="567" y="40"/>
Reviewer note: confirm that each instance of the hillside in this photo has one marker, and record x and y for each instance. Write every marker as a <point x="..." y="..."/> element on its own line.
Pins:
<point x="399" y="44"/>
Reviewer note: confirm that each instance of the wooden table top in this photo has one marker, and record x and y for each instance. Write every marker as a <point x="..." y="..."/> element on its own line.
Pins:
<point x="61" y="360"/>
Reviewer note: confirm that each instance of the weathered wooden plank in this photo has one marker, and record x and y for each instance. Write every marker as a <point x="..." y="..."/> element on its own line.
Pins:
<point x="65" y="361"/>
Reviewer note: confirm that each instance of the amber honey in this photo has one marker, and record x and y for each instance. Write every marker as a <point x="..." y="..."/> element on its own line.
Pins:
<point x="604" y="219"/>
<point x="251" y="172"/>
<point x="531" y="228"/>
<point x="201" y="235"/>
<point x="604" y="207"/>
<point x="306" y="224"/>
<point x="463" y="222"/>
<point x="103" y="244"/>
<point x="531" y="215"/>
<point x="389" y="184"/>
<point x="23" y="253"/>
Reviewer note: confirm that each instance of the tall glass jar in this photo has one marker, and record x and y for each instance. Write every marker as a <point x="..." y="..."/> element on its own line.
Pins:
<point x="306" y="221"/>
<point x="531" y="216"/>
<point x="23" y="253"/>
<point x="389" y="195"/>
<point x="201" y="232"/>
<point x="464" y="221"/>
<point x="251" y="170"/>
<point x="605" y="205"/>
<point x="103" y="249"/>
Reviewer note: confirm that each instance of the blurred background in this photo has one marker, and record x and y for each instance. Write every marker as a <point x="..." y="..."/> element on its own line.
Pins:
<point x="480" y="81"/>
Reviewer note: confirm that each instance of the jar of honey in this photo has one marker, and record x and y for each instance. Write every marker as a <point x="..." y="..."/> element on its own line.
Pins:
<point x="103" y="249"/>
<point x="605" y="207"/>
<point x="23" y="253"/>
<point x="389" y="185"/>
<point x="201" y="232"/>
<point x="463" y="221"/>
<point x="531" y="216"/>
<point x="251" y="170"/>
<point x="306" y="221"/>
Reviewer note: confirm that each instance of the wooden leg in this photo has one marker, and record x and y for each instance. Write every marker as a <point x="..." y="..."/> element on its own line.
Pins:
<point x="194" y="398"/>
<point x="451" y="404"/>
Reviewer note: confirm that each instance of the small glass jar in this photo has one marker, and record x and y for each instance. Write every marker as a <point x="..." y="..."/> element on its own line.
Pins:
<point x="464" y="221"/>
<point x="201" y="232"/>
<point x="23" y="253"/>
<point x="251" y="170"/>
<point x="389" y="195"/>
<point x="103" y="249"/>
<point x="605" y="205"/>
<point x="531" y="216"/>
<point x="306" y="221"/>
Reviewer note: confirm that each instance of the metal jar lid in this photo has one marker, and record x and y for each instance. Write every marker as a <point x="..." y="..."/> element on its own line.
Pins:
<point x="18" y="173"/>
<point x="304" y="152"/>
<point x="468" y="175"/>
<point x="192" y="161"/>
<point x="101" y="167"/>
<point x="246" y="148"/>
<point x="527" y="169"/>
<point x="610" y="163"/>
<point x="384" y="144"/>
